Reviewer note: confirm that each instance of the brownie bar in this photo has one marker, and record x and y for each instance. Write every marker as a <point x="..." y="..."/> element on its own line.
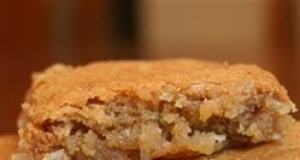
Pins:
<point x="128" y="110"/>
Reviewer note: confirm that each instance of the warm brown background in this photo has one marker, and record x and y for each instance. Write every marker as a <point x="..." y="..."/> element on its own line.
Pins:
<point x="37" y="33"/>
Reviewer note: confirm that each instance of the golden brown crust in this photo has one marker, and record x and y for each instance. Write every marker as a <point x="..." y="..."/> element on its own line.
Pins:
<point x="63" y="85"/>
<point x="63" y="94"/>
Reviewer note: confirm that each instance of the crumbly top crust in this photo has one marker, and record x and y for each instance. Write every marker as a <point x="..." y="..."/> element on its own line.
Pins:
<point x="62" y="85"/>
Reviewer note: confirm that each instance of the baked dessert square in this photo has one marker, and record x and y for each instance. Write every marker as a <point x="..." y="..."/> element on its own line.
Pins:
<point x="161" y="109"/>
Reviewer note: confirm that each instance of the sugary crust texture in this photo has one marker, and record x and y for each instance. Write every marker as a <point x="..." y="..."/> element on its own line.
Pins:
<point x="62" y="85"/>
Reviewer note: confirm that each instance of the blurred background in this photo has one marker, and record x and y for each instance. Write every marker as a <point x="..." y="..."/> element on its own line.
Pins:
<point x="37" y="33"/>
